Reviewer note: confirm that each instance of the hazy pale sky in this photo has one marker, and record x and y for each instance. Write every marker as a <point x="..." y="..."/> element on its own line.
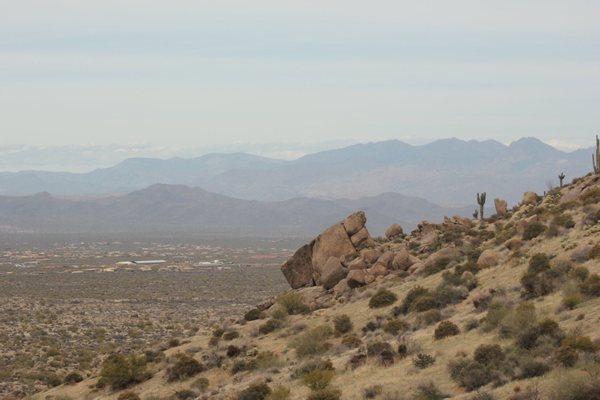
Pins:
<point x="212" y="72"/>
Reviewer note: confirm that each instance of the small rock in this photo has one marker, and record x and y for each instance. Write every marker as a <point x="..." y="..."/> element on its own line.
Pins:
<point x="355" y="222"/>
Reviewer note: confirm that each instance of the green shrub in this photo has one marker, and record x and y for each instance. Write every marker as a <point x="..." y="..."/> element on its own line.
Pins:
<point x="351" y="341"/>
<point x="313" y="342"/>
<point x="325" y="394"/>
<point x="423" y="360"/>
<point x="382" y="298"/>
<point x="185" y="394"/>
<point x="445" y="329"/>
<point x="120" y="371"/>
<point x="311" y="366"/>
<point x="253" y="315"/>
<point x="318" y="379"/>
<point x="571" y="296"/>
<point x="591" y="196"/>
<point x="183" y="368"/>
<point x="497" y="311"/>
<point x="533" y="368"/>
<point x="591" y="286"/>
<point x="594" y="252"/>
<point x="469" y="374"/>
<point x="566" y="356"/>
<point x="429" y="317"/>
<point x="582" y="343"/>
<point x="201" y="384"/>
<point x="376" y="348"/>
<point x="489" y="354"/>
<point x="342" y="324"/>
<point x="269" y="326"/>
<point x="576" y="386"/>
<point x="279" y="393"/>
<point x="564" y="220"/>
<point x="293" y="303"/>
<point x="230" y="335"/>
<point x="233" y="351"/>
<point x="395" y="326"/>
<point x="256" y="391"/>
<point x="218" y="332"/>
<point x="428" y="391"/>
<point x="267" y="359"/>
<point x="412" y="295"/>
<point x="72" y="378"/>
<point x="483" y="396"/>
<point x="533" y="230"/>
<point x="128" y="396"/>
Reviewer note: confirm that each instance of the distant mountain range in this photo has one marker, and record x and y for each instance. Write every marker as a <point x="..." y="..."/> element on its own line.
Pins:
<point x="448" y="172"/>
<point x="165" y="208"/>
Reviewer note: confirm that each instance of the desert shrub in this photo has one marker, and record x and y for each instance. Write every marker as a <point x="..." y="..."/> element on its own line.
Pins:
<point x="594" y="252"/>
<point x="576" y="386"/>
<point x="376" y="348"/>
<point x="256" y="391"/>
<point x="571" y="296"/>
<point x="533" y="368"/>
<point x="489" y="354"/>
<point x="563" y="220"/>
<point x="439" y="265"/>
<point x="218" y="332"/>
<point x="591" y="286"/>
<point x="269" y="326"/>
<point x="446" y="294"/>
<point x="267" y="359"/>
<point x="311" y="366"/>
<point x="423" y="360"/>
<point x="325" y="394"/>
<point x="214" y="341"/>
<point x="424" y="303"/>
<point x="372" y="391"/>
<point x="538" y="280"/>
<point x="279" y="313"/>
<point x="566" y="356"/>
<point x="312" y="342"/>
<point x="582" y="343"/>
<point x="183" y="368"/>
<point x="518" y="320"/>
<point x="580" y="273"/>
<point x="469" y="374"/>
<point x="243" y="365"/>
<point x="533" y="230"/>
<point x="382" y="298"/>
<point x="201" y="384"/>
<point x="342" y="324"/>
<point x="128" y="396"/>
<point x="497" y="311"/>
<point x="429" y="317"/>
<point x="529" y="336"/>
<point x="357" y="360"/>
<point x="230" y="335"/>
<point x="591" y="196"/>
<point x="279" y="393"/>
<point x="72" y="378"/>
<point x="293" y="303"/>
<point x="351" y="341"/>
<point x="428" y="391"/>
<point x="412" y="295"/>
<point x="445" y="329"/>
<point x="153" y="356"/>
<point x="185" y="394"/>
<point x="395" y="326"/>
<point x="318" y="379"/>
<point x="253" y="315"/>
<point x="120" y="371"/>
<point x="233" y="351"/>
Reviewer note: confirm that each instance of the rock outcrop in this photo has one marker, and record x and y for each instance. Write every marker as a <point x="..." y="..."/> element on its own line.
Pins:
<point x="326" y="260"/>
<point x="501" y="207"/>
<point x="394" y="231"/>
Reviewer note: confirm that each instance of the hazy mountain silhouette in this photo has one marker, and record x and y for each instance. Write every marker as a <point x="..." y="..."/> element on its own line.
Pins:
<point x="177" y="208"/>
<point x="448" y="171"/>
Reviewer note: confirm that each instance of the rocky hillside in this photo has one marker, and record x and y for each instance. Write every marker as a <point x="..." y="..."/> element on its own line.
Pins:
<point x="502" y="308"/>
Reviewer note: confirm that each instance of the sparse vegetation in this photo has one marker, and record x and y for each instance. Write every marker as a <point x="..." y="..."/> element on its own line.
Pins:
<point x="382" y="298"/>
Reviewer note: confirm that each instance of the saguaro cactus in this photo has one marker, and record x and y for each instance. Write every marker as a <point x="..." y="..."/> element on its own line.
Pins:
<point x="561" y="177"/>
<point x="481" y="202"/>
<point x="596" y="159"/>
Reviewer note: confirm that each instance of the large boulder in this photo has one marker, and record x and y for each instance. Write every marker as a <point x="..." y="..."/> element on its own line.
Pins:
<point x="356" y="278"/>
<point x="298" y="269"/>
<point x="357" y="263"/>
<point x="530" y="198"/>
<point x="334" y="242"/>
<point x="354" y="222"/>
<point x="331" y="273"/>
<point x="501" y="207"/>
<point x="370" y="255"/>
<point x="402" y="260"/>
<point x="394" y="231"/>
<point x="447" y="254"/>
<point x="361" y="237"/>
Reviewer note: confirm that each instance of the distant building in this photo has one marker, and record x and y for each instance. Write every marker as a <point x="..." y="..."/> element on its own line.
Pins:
<point x="141" y="262"/>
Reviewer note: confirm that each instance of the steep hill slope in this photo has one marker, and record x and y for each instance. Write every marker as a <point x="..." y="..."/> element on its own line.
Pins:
<point x="505" y="308"/>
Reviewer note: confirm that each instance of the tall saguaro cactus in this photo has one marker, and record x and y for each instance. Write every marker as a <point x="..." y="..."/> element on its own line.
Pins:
<point x="561" y="177"/>
<point x="596" y="159"/>
<point x="481" y="202"/>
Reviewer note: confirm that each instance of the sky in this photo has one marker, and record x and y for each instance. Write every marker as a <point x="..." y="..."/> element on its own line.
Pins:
<point x="205" y="73"/>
